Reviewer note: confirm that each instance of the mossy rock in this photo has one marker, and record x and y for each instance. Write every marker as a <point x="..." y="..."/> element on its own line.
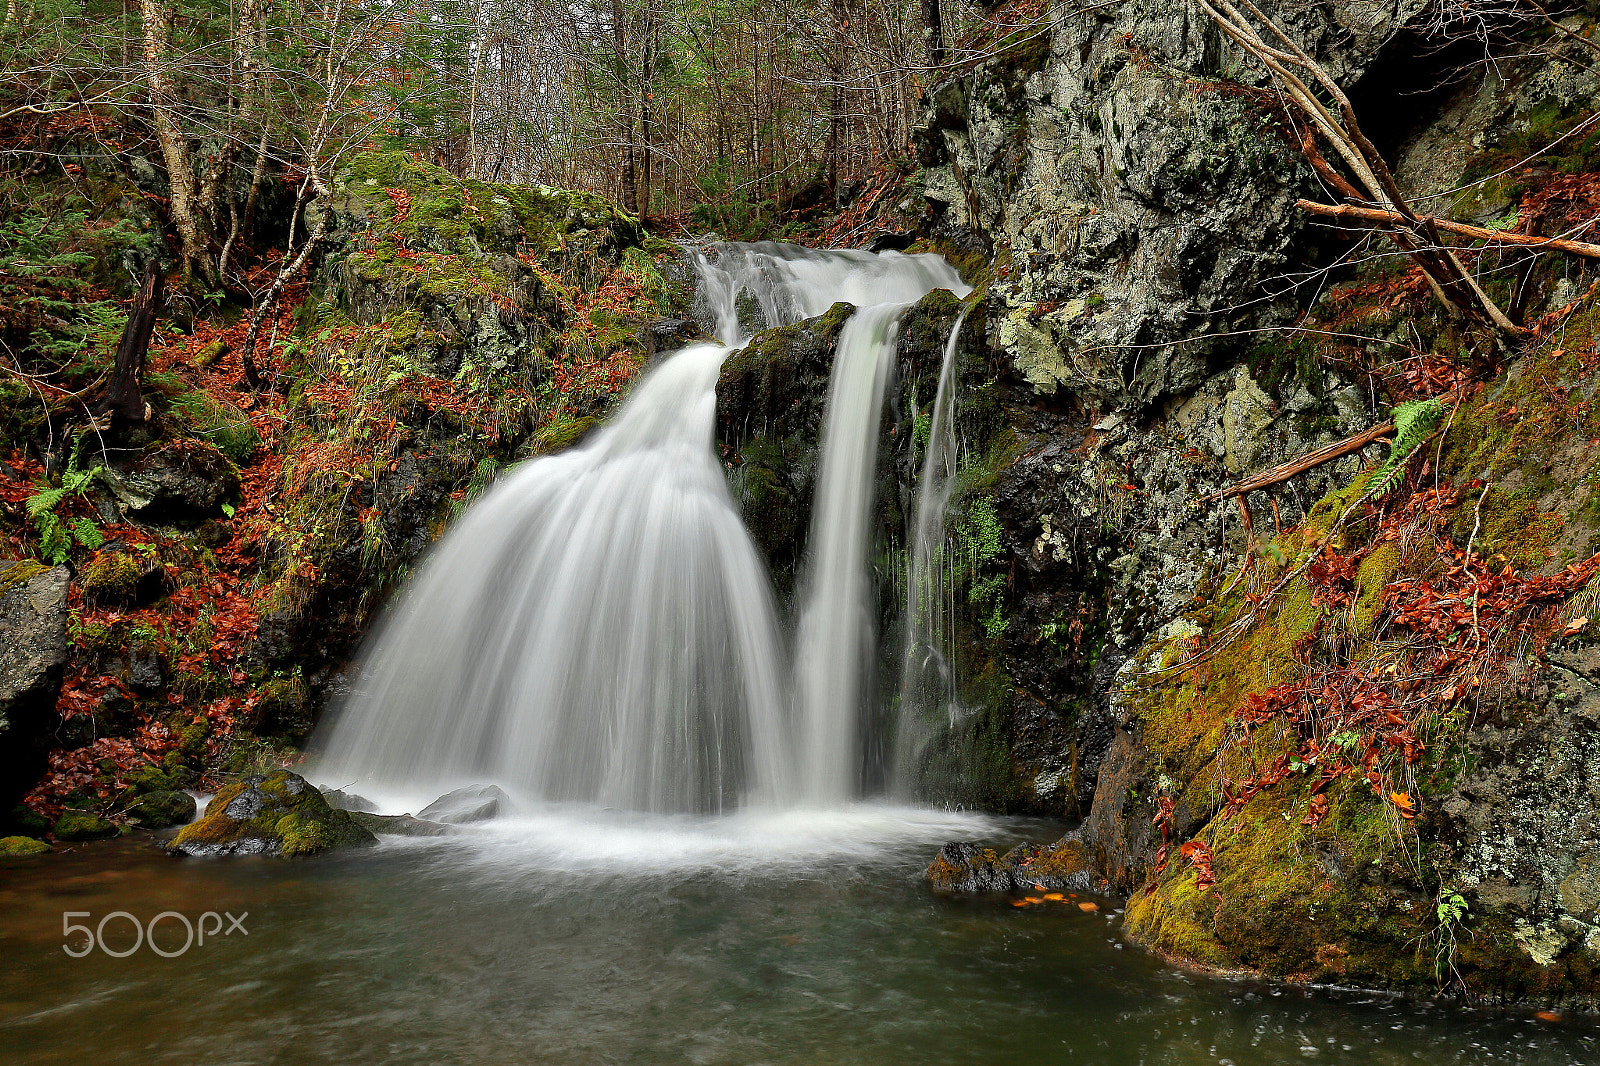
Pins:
<point x="152" y="779"/>
<point x="560" y="435"/>
<point x="22" y="846"/>
<point x="159" y="810"/>
<point x="83" y="825"/>
<point x="279" y="814"/>
<point x="111" y="577"/>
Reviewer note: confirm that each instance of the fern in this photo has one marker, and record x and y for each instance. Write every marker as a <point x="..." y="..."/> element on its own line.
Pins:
<point x="1413" y="422"/>
<point x="55" y="535"/>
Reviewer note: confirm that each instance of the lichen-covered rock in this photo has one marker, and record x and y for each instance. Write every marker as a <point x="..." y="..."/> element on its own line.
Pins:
<point x="33" y="653"/>
<point x="279" y="814"/>
<point x="159" y="810"/>
<point x="83" y="825"/>
<point x="22" y="846"/>
<point x="971" y="869"/>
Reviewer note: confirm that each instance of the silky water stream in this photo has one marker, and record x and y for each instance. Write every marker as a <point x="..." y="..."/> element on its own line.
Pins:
<point x="692" y="874"/>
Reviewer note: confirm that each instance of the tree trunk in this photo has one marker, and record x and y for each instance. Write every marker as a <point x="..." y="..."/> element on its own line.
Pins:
<point x="124" y="401"/>
<point x="630" y="191"/>
<point x="174" y="147"/>
<point x="933" y="34"/>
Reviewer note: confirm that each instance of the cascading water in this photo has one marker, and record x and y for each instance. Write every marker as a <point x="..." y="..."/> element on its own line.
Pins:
<point x="927" y="674"/>
<point x="599" y="627"/>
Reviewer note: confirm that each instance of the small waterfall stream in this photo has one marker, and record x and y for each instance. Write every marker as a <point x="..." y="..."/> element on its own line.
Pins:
<point x="600" y="628"/>
<point x="927" y="675"/>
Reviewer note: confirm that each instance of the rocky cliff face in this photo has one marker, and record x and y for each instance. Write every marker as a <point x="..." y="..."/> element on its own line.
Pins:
<point x="1161" y="328"/>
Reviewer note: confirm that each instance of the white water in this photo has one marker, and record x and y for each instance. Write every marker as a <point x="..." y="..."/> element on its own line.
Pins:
<point x="927" y="676"/>
<point x="599" y="628"/>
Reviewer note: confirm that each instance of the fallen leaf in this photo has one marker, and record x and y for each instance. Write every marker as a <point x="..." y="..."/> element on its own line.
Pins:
<point x="1088" y="907"/>
<point x="1054" y="897"/>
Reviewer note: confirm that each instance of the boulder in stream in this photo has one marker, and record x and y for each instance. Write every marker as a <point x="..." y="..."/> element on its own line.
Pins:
<point x="280" y="814"/>
<point x="400" y="825"/>
<point x="970" y="869"/>
<point x="348" y="801"/>
<point x="475" y="803"/>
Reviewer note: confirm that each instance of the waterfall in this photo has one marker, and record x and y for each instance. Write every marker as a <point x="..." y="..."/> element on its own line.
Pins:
<point x="599" y="626"/>
<point x="927" y="675"/>
<point x="836" y="642"/>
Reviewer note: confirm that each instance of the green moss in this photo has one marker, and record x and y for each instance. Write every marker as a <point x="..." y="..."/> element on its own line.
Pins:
<point x="22" y="846"/>
<point x="560" y="435"/>
<point x="20" y="573"/>
<point x="110" y="577"/>
<point x="83" y="825"/>
<point x="302" y="836"/>
<point x="158" y="810"/>
<point x="1375" y="571"/>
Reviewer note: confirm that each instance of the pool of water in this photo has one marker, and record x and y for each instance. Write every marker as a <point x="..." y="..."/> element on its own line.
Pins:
<point x="577" y="937"/>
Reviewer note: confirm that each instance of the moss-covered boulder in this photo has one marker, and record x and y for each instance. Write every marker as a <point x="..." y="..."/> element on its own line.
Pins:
<point x="83" y="825"/>
<point x="280" y="814"/>
<point x="22" y="846"/>
<point x="159" y="810"/>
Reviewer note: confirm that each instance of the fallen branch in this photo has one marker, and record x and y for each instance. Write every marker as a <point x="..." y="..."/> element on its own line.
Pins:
<point x="1392" y="218"/>
<point x="1311" y="460"/>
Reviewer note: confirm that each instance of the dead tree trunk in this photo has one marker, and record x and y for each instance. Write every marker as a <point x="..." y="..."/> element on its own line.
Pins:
<point x="124" y="401"/>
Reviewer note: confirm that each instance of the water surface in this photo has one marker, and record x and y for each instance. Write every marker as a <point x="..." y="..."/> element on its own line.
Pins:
<point x="579" y="937"/>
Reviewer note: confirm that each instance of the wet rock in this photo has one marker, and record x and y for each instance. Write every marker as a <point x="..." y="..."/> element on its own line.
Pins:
<point x="147" y="672"/>
<point x="159" y="810"/>
<point x="33" y="653"/>
<point x="475" y="803"/>
<point x="403" y="825"/>
<point x="968" y="868"/>
<point x="668" y="335"/>
<point x="280" y="814"/>
<point x="891" y="242"/>
<point x="348" y="801"/>
<point x="769" y="412"/>
<point x="83" y="825"/>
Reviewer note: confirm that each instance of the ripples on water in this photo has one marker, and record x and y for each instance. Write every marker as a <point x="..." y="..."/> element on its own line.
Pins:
<point x="596" y="937"/>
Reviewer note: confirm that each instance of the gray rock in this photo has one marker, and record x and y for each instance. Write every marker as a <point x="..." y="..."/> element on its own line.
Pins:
<point x="33" y="653"/>
<point x="970" y="869"/>
<point x="475" y="803"/>
<point x="182" y="481"/>
<point x="402" y="825"/>
<point x="348" y="801"/>
<point x="668" y="335"/>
